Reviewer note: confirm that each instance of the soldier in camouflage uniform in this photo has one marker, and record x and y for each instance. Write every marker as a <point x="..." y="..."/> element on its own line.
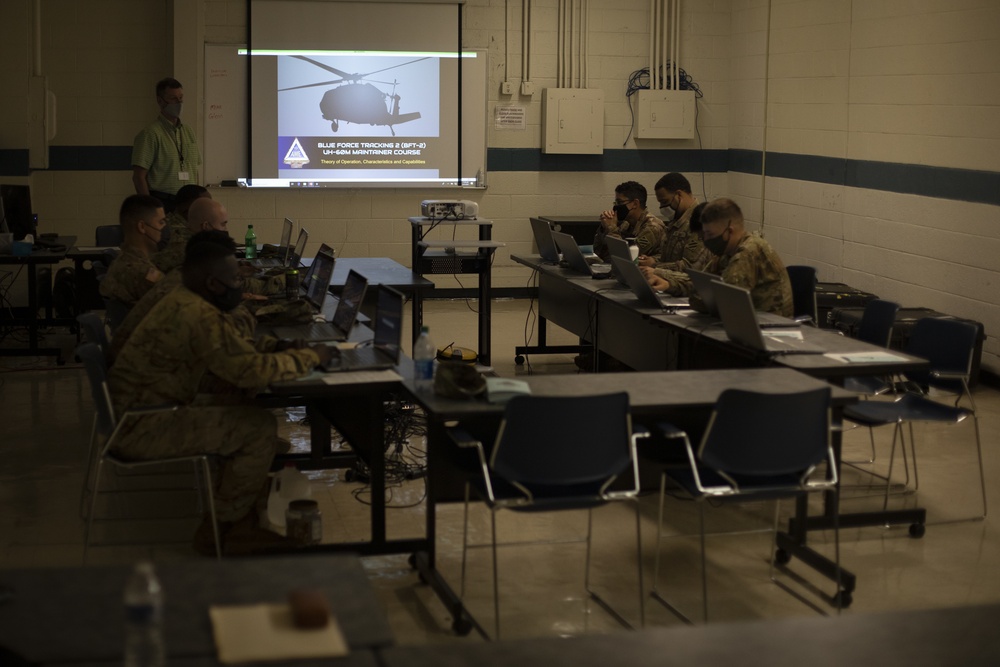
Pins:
<point x="630" y="219"/>
<point x="132" y="273"/>
<point x="172" y="256"/>
<point x="205" y="214"/>
<point x="743" y="259"/>
<point x="185" y="336"/>
<point x="682" y="247"/>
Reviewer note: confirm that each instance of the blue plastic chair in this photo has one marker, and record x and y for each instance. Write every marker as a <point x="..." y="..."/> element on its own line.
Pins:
<point x="556" y="454"/>
<point x="949" y="346"/>
<point x="757" y="446"/>
<point x="107" y="427"/>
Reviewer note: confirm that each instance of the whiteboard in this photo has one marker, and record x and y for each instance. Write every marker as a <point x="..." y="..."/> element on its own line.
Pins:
<point x="225" y="114"/>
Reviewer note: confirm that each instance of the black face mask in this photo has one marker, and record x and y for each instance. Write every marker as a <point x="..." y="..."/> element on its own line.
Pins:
<point x="717" y="245"/>
<point x="621" y="212"/>
<point x="164" y="238"/>
<point x="230" y="297"/>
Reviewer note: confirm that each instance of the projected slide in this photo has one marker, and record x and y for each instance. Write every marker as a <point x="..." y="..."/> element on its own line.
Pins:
<point x="349" y="122"/>
<point x="368" y="96"/>
<point x="356" y="93"/>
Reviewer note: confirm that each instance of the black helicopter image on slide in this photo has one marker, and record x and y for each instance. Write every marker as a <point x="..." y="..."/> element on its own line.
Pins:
<point x="356" y="100"/>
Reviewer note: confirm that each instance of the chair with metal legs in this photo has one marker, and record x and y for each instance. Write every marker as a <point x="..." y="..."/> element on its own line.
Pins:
<point x="949" y="346"/>
<point x="554" y="454"/>
<point x="757" y="446"/>
<point x="876" y="328"/>
<point x="107" y="428"/>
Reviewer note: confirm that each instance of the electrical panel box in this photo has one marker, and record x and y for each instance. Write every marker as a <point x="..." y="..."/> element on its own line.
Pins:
<point x="573" y="121"/>
<point x="665" y="114"/>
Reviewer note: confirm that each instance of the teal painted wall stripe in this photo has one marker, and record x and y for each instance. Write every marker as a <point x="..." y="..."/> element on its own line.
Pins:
<point x="942" y="182"/>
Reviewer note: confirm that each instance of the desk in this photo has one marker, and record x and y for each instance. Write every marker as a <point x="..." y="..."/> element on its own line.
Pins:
<point x="965" y="636"/>
<point x="40" y="256"/>
<point x="684" y="397"/>
<point x="453" y="257"/>
<point x="607" y="313"/>
<point x="663" y="341"/>
<point x="356" y="407"/>
<point x="567" y="305"/>
<point x="75" y="615"/>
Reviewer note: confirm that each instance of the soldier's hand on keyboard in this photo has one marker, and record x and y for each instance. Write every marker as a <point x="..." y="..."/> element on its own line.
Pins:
<point x="324" y="352"/>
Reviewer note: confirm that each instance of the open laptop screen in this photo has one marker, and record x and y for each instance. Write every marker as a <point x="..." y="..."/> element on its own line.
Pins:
<point x="322" y="270"/>
<point x="286" y="233"/>
<point x="389" y="321"/>
<point x="350" y="301"/>
<point x="295" y="256"/>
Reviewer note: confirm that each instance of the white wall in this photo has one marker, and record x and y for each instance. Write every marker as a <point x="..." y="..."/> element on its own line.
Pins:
<point x="886" y="81"/>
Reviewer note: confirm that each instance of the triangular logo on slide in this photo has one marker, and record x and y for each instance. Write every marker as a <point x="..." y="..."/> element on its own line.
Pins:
<point x="296" y="156"/>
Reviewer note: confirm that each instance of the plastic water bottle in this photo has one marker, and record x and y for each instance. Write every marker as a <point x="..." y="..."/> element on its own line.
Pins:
<point x="144" y="618"/>
<point x="424" y="353"/>
<point x="250" y="241"/>
<point x="287" y="484"/>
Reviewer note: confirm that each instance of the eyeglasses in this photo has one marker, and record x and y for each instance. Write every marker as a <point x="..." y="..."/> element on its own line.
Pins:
<point x="620" y="202"/>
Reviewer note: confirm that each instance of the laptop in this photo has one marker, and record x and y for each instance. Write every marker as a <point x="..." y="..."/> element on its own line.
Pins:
<point x="704" y="282"/>
<point x="347" y="308"/>
<point x="281" y="250"/>
<point x="543" y="239"/>
<point x="310" y="273"/>
<point x="385" y="348"/>
<point x="575" y="260"/>
<point x="618" y="248"/>
<point x="293" y="257"/>
<point x="739" y="319"/>
<point x="642" y="289"/>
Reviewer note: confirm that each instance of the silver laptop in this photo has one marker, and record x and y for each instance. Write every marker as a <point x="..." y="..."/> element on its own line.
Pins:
<point x="347" y="309"/>
<point x="642" y="289"/>
<point x="543" y="239"/>
<point x="281" y="249"/>
<point x="704" y="283"/>
<point x="575" y="260"/>
<point x="307" y="277"/>
<point x="739" y="319"/>
<point x="618" y="248"/>
<point x="293" y="256"/>
<point x="385" y="348"/>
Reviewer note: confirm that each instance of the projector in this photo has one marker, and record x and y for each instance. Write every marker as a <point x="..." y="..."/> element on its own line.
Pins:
<point x="453" y="209"/>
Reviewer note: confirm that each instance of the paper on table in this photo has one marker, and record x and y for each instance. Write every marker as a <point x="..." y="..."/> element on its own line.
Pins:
<point x="357" y="377"/>
<point x="864" y="357"/>
<point x="251" y="633"/>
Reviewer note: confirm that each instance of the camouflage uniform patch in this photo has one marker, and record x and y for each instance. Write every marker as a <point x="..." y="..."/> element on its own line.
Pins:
<point x="129" y="277"/>
<point x="681" y="249"/>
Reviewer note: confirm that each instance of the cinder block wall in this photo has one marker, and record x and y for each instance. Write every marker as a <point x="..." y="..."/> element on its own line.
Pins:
<point x="903" y="83"/>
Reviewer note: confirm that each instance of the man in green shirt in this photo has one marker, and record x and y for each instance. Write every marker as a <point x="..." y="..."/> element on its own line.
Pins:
<point x="165" y="153"/>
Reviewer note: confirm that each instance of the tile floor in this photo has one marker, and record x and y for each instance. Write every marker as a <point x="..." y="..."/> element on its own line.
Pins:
<point x="46" y="416"/>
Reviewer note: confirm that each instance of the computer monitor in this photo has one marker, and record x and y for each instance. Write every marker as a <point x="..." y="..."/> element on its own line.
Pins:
<point x="15" y="210"/>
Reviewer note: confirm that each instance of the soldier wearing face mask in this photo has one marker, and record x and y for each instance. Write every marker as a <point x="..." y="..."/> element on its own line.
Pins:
<point x="165" y="153"/>
<point x="681" y="248"/>
<point x="145" y="230"/>
<point x="743" y="259"/>
<point x="629" y="219"/>
<point x="188" y="335"/>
